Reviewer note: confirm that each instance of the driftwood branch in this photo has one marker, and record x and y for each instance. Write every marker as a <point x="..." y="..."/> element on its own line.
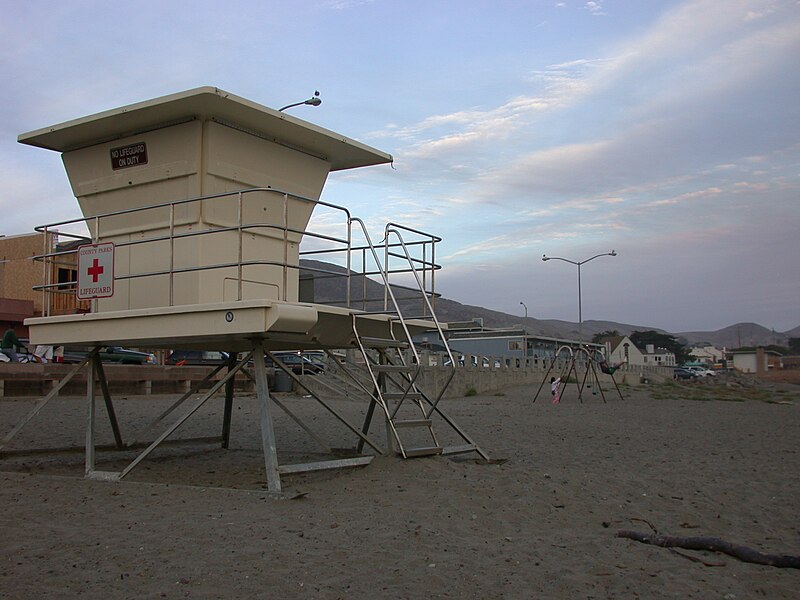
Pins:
<point x="743" y="553"/>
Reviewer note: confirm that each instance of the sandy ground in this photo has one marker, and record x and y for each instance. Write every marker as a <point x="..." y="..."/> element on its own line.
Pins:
<point x="540" y="525"/>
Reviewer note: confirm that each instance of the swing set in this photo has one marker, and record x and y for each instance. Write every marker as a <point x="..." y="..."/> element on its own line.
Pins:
<point x="591" y="357"/>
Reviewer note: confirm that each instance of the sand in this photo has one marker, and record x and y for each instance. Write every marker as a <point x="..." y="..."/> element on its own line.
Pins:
<point x="540" y="525"/>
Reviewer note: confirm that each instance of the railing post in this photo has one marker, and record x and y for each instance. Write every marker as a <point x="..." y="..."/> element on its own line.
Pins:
<point x="286" y="246"/>
<point x="433" y="274"/>
<point x="348" y="261"/>
<point x="424" y="277"/>
<point x="239" y="261"/>
<point x="363" y="279"/>
<point x="385" y="273"/>
<point x="46" y="274"/>
<point x="95" y="240"/>
<point x="171" y="254"/>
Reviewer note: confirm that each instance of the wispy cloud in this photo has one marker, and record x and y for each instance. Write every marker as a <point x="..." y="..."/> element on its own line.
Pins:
<point x="346" y="4"/>
<point x="595" y="7"/>
<point x="687" y="197"/>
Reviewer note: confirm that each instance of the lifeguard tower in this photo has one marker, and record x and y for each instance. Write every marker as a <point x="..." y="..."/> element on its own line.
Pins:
<point x="197" y="207"/>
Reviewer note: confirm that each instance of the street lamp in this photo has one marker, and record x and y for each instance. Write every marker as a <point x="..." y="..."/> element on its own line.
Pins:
<point x="315" y="100"/>
<point x="578" y="263"/>
<point x="526" y="309"/>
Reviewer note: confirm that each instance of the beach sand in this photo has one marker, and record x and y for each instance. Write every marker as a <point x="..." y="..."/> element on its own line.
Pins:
<point x="195" y="522"/>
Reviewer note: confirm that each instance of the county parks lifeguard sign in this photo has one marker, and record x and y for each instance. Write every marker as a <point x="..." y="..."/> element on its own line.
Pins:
<point x="96" y="271"/>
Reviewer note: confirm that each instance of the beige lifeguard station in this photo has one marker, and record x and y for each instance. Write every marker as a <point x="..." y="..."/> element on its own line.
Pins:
<point x="200" y="143"/>
<point x="196" y="206"/>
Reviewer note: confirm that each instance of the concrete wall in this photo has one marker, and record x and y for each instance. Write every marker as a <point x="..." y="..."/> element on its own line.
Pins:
<point x="493" y="379"/>
<point x="39" y="379"/>
<point x="746" y="362"/>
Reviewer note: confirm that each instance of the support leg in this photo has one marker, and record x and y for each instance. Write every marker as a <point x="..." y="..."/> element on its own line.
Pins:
<point x="90" y="397"/>
<point x="112" y="415"/>
<point x="226" y="417"/>
<point x="585" y="376"/>
<point x="267" y="429"/>
<point x="597" y="382"/>
<point x="616" y="386"/>
<point x="390" y="431"/>
<point x="541" y="385"/>
<point x="570" y="369"/>
<point x="367" y="422"/>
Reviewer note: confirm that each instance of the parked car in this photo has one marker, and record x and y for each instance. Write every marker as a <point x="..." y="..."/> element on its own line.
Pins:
<point x="113" y="354"/>
<point x="318" y="358"/>
<point x="681" y="373"/>
<point x="298" y="363"/>
<point x="197" y="357"/>
<point x="701" y="371"/>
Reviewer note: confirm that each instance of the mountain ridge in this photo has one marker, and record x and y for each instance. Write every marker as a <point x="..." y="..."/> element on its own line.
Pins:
<point x="369" y="296"/>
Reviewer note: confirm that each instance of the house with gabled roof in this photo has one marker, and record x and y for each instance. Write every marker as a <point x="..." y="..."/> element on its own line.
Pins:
<point x="620" y="348"/>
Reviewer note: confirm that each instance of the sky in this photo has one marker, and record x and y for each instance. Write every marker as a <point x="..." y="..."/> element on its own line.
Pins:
<point x="668" y="131"/>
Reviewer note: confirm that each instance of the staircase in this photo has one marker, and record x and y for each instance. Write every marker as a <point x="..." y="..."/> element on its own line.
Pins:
<point x="392" y="365"/>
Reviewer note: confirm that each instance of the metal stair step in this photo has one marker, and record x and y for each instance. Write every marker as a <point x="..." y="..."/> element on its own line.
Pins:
<point x="413" y="423"/>
<point x="371" y="342"/>
<point x="423" y="451"/>
<point x="459" y="449"/>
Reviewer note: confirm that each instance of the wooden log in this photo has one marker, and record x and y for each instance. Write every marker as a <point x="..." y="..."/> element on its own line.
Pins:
<point x="743" y="553"/>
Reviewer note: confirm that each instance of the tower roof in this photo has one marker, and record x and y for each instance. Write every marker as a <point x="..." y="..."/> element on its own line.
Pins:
<point x="207" y="103"/>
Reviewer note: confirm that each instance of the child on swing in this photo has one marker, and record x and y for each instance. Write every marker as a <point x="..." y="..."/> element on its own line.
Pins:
<point x="554" y="389"/>
<point x="607" y="369"/>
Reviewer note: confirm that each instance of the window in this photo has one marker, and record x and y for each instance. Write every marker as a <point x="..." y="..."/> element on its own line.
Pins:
<point x="67" y="278"/>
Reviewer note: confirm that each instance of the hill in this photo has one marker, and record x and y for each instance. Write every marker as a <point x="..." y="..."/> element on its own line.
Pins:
<point x="330" y="287"/>
<point x="740" y="334"/>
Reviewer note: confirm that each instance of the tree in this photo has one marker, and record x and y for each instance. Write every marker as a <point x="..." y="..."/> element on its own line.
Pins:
<point x="598" y="338"/>
<point x="662" y="340"/>
<point x="794" y="345"/>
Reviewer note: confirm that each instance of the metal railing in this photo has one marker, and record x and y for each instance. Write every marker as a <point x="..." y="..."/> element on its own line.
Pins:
<point x="342" y="243"/>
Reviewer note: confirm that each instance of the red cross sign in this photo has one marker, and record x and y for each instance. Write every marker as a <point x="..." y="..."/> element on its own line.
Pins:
<point x="96" y="271"/>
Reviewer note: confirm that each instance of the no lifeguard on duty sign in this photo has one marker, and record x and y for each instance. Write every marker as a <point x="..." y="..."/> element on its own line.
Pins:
<point x="96" y="271"/>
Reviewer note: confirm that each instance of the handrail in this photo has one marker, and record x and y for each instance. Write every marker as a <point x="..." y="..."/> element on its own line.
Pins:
<point x="394" y="229"/>
<point x="322" y="243"/>
<point x="387" y="287"/>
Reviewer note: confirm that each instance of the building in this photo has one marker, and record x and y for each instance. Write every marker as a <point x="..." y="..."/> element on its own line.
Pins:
<point x="515" y="345"/>
<point x="658" y="357"/>
<point x="751" y="361"/>
<point x="620" y="348"/>
<point x="708" y="354"/>
<point x="20" y="273"/>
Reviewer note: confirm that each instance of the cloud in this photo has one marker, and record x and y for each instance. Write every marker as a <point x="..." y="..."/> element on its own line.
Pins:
<point x="687" y="197"/>
<point x="347" y="4"/>
<point x="717" y="55"/>
<point x="595" y="7"/>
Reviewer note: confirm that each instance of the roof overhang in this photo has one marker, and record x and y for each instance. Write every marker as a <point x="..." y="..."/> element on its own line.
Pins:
<point x="207" y="103"/>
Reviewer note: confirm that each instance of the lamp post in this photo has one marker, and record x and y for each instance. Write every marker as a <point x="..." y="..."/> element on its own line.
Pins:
<point x="578" y="263"/>
<point x="315" y="100"/>
<point x="526" y="309"/>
